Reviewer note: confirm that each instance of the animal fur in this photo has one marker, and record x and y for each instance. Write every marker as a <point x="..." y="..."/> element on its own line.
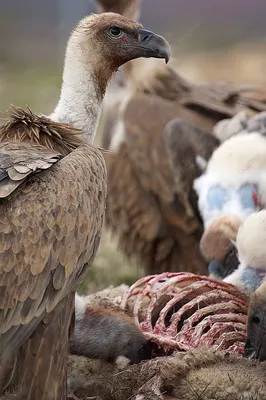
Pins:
<point x="192" y="375"/>
<point x="185" y="376"/>
<point x="107" y="334"/>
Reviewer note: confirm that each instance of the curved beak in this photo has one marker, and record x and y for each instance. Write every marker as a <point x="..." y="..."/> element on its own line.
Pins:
<point x="154" y="45"/>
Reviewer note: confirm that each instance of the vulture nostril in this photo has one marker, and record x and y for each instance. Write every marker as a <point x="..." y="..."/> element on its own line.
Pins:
<point x="146" y="39"/>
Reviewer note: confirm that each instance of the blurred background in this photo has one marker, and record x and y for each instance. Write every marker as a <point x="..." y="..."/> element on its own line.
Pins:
<point x="211" y="40"/>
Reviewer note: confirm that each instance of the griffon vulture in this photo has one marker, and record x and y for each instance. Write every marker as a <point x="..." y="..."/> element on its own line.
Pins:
<point x="152" y="206"/>
<point x="52" y="190"/>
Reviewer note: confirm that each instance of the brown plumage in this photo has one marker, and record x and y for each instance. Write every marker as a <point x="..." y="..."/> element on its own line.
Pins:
<point x="48" y="237"/>
<point x="24" y="125"/>
<point x="138" y="198"/>
<point x="52" y="202"/>
<point x="154" y="215"/>
<point x="155" y="219"/>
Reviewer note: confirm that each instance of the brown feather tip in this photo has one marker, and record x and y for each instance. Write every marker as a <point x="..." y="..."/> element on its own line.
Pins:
<point x="105" y="151"/>
<point x="26" y="126"/>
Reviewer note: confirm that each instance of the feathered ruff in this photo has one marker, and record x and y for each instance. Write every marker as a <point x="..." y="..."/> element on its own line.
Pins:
<point x="26" y="126"/>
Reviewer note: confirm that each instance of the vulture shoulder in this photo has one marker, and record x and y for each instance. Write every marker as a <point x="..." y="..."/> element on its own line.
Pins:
<point x="167" y="148"/>
<point x="52" y="208"/>
<point x="216" y="100"/>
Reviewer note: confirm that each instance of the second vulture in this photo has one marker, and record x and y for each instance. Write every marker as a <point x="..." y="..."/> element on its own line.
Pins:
<point x="151" y="206"/>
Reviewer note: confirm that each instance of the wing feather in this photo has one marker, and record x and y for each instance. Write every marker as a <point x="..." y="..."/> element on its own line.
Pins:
<point x="49" y="229"/>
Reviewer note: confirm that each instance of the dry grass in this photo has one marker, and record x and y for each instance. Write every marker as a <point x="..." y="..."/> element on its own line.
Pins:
<point x="110" y="267"/>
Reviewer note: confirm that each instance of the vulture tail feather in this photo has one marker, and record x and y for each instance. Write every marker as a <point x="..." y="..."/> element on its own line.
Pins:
<point x="41" y="362"/>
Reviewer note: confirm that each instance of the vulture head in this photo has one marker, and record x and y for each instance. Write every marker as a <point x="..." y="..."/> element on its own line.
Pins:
<point x="250" y="243"/>
<point x="256" y="334"/>
<point x="109" y="40"/>
<point x="98" y="46"/>
<point x="217" y="245"/>
<point x="234" y="181"/>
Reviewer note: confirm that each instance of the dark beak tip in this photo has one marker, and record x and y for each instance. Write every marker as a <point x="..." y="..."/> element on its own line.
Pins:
<point x="165" y="50"/>
<point x="156" y="43"/>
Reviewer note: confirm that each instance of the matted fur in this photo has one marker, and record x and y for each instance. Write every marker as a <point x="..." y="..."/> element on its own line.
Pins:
<point x="200" y="374"/>
<point x="194" y="375"/>
<point x="26" y="126"/>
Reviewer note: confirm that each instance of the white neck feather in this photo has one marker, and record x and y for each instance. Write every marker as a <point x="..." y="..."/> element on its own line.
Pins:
<point x="79" y="104"/>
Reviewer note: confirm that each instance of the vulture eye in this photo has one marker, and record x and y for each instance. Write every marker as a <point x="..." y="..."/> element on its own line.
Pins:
<point x="115" y="31"/>
<point x="255" y="319"/>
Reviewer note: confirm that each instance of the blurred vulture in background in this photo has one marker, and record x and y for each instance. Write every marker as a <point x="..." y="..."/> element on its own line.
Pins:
<point x="156" y="127"/>
<point x="232" y="187"/>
